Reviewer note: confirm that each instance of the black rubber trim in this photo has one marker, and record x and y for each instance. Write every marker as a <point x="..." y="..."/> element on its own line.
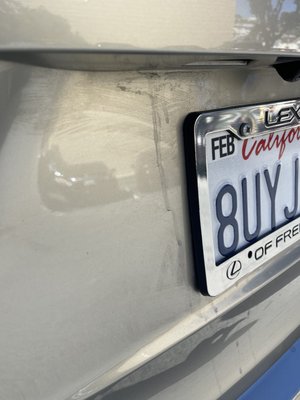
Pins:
<point x="192" y="189"/>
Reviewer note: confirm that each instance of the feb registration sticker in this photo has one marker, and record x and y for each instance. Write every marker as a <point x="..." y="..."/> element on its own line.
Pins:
<point x="243" y="182"/>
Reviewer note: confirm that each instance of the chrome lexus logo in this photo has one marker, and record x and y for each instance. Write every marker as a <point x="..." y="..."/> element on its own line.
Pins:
<point x="284" y="117"/>
<point x="234" y="269"/>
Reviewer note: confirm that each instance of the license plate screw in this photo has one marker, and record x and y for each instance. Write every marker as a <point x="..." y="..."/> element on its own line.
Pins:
<point x="245" y="129"/>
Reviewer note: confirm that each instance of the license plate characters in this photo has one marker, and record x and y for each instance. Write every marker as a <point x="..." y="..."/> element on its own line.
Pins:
<point x="243" y="182"/>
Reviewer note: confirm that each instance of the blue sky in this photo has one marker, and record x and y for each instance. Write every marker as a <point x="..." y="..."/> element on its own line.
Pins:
<point x="243" y="8"/>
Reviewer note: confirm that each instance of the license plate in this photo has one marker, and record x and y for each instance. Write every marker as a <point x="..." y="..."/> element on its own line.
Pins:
<point x="243" y="181"/>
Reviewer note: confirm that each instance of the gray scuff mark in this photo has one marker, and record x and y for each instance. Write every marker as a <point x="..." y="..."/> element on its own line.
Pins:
<point x="157" y="141"/>
<point x="166" y="113"/>
<point x="160" y="113"/>
<point x="157" y="125"/>
<point x="126" y="89"/>
<point x="156" y="119"/>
